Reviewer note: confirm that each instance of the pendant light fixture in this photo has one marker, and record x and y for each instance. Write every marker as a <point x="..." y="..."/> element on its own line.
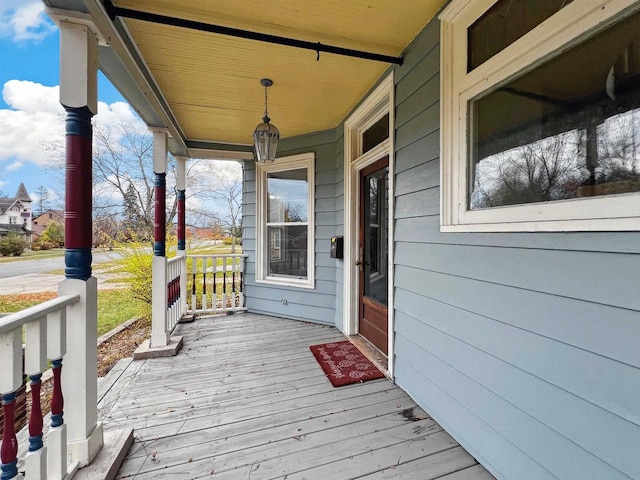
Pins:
<point x="266" y="136"/>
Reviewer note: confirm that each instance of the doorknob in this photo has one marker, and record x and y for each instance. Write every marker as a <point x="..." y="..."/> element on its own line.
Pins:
<point x="357" y="262"/>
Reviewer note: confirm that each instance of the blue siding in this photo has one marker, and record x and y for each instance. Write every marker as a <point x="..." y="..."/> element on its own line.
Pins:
<point x="524" y="346"/>
<point x="318" y="304"/>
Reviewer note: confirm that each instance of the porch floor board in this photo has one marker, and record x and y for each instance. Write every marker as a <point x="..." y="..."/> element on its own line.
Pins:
<point x="245" y="399"/>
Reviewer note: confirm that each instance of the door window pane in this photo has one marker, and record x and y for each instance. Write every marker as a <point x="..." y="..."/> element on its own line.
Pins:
<point x="376" y="226"/>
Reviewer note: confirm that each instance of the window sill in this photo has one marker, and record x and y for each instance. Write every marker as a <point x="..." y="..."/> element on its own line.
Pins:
<point x="591" y="225"/>
<point x="287" y="282"/>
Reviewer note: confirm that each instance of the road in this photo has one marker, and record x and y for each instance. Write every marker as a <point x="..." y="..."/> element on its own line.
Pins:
<point x="43" y="265"/>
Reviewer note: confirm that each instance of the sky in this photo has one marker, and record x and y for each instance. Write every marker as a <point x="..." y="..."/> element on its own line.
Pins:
<point x="30" y="113"/>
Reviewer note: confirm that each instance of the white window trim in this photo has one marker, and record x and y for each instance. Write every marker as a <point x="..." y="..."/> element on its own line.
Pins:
<point x="293" y="162"/>
<point x="564" y="29"/>
<point x="380" y="102"/>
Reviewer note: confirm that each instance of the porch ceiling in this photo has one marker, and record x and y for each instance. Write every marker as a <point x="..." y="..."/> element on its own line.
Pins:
<point x="211" y="82"/>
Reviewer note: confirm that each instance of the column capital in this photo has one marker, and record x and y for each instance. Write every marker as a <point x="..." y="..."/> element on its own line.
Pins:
<point x="78" y="66"/>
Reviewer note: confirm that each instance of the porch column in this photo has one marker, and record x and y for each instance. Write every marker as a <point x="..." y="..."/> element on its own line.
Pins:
<point x="159" y="333"/>
<point x="181" y="182"/>
<point x="78" y="95"/>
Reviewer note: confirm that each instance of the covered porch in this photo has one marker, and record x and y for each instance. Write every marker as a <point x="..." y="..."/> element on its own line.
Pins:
<point x="246" y="399"/>
<point x="516" y="328"/>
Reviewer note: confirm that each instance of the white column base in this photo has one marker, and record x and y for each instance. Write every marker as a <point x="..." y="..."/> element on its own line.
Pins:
<point x="84" y="451"/>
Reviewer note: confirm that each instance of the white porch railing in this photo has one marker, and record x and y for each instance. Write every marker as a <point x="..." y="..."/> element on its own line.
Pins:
<point x="45" y="339"/>
<point x="175" y="291"/>
<point x="216" y="283"/>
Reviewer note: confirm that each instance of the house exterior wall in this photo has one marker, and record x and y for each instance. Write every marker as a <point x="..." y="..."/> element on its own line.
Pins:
<point x="318" y="304"/>
<point x="41" y="222"/>
<point x="524" y="346"/>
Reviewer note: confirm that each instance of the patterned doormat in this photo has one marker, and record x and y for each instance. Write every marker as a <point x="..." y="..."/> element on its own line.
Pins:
<point x="343" y="363"/>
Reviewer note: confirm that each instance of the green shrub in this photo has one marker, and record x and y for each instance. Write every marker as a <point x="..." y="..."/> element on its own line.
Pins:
<point x="229" y="241"/>
<point x="54" y="234"/>
<point x="12" y="244"/>
<point x="36" y="246"/>
<point x="136" y="265"/>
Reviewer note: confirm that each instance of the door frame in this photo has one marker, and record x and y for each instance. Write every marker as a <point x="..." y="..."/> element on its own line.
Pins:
<point x="375" y="106"/>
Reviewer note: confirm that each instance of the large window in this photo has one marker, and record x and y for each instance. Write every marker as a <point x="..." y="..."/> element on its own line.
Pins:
<point x="541" y="120"/>
<point x="285" y="221"/>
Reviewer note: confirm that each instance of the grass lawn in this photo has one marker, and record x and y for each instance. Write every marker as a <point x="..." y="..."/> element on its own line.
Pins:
<point x="29" y="255"/>
<point x="114" y="306"/>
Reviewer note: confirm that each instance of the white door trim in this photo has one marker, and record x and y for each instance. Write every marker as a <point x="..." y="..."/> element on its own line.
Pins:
<point x="376" y="105"/>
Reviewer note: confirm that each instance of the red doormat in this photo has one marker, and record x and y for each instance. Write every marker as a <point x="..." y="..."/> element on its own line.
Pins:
<point x="343" y="363"/>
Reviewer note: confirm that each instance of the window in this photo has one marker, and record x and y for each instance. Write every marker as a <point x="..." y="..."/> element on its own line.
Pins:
<point x="285" y="211"/>
<point x="541" y="119"/>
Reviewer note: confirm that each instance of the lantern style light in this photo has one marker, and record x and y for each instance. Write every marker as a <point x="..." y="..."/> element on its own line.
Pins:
<point x="266" y="136"/>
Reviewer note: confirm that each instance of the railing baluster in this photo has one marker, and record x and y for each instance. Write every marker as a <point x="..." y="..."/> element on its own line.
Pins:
<point x="9" y="449"/>
<point x="204" y="284"/>
<point x="57" y="437"/>
<point x="224" y="284"/>
<point x="214" y="307"/>
<point x="11" y="361"/>
<point x="57" y="458"/>
<point x="57" y="399"/>
<point x="35" y="364"/>
<point x="35" y="419"/>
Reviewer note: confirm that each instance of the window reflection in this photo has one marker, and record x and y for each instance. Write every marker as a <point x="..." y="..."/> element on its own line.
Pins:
<point x="376" y="227"/>
<point x="570" y="128"/>
<point x="287" y="217"/>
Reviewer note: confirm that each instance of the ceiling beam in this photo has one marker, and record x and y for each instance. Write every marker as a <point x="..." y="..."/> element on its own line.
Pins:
<point x="318" y="47"/>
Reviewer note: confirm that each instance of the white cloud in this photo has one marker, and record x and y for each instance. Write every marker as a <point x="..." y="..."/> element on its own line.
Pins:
<point x="33" y="126"/>
<point x="33" y="121"/>
<point x="24" y="20"/>
<point x="14" y="166"/>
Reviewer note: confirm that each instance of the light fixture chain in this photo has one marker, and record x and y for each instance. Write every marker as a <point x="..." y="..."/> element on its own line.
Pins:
<point x="266" y="113"/>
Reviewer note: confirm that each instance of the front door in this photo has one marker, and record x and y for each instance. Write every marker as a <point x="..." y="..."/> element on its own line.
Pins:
<point x="373" y="253"/>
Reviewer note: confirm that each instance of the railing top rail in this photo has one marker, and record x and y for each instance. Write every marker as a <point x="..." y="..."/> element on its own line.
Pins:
<point x="17" y="319"/>
<point x="218" y="255"/>
<point x="174" y="260"/>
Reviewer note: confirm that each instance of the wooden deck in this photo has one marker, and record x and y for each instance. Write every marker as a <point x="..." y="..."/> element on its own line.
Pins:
<point x="245" y="399"/>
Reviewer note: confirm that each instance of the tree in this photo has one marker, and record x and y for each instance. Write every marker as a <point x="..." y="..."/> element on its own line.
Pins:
<point x="222" y="185"/>
<point x="54" y="233"/>
<point x="42" y="203"/>
<point x="548" y="169"/>
<point x="12" y="244"/>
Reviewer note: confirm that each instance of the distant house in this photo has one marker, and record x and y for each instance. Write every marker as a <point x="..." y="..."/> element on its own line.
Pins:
<point x="41" y="222"/>
<point x="15" y="214"/>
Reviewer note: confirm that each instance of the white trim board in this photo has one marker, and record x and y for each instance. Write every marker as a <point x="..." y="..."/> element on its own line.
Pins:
<point x="380" y="102"/>
<point x="568" y="27"/>
<point x="292" y="162"/>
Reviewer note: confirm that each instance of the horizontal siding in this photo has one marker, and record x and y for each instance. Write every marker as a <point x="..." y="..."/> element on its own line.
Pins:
<point x="522" y="345"/>
<point x="573" y="272"/>
<point x="426" y="229"/>
<point x="556" y="409"/>
<point x="317" y="304"/>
